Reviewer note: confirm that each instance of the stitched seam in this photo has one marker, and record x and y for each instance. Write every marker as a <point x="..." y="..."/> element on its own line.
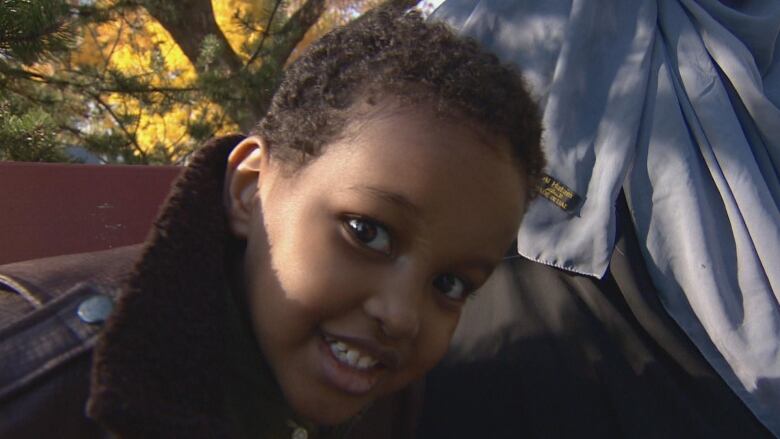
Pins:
<point x="562" y="267"/>
<point x="19" y="331"/>
<point x="49" y="309"/>
<point x="21" y="290"/>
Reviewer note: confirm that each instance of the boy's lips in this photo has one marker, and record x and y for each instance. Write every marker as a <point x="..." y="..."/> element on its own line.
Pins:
<point x="354" y="365"/>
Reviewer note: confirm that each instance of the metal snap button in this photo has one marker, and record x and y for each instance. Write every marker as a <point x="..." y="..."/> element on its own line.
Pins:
<point x="95" y="309"/>
<point x="300" y="433"/>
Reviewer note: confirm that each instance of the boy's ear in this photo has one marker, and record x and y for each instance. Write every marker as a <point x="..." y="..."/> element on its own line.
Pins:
<point x="242" y="179"/>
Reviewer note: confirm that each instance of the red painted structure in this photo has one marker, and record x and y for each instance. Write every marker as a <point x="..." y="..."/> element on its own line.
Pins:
<point x="53" y="209"/>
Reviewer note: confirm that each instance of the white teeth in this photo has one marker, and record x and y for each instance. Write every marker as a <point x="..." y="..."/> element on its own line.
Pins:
<point x="351" y="356"/>
<point x="365" y="363"/>
<point x="340" y="346"/>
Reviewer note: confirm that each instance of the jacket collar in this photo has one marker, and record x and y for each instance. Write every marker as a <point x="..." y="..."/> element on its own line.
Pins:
<point x="166" y="337"/>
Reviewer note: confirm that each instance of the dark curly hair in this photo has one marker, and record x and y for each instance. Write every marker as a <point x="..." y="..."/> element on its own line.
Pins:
<point x="390" y="53"/>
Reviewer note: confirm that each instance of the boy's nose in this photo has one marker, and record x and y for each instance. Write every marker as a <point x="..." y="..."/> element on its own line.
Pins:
<point x="396" y="307"/>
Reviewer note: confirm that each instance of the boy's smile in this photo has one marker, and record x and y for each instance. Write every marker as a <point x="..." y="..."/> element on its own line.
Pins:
<point x="354" y="365"/>
<point x="358" y="264"/>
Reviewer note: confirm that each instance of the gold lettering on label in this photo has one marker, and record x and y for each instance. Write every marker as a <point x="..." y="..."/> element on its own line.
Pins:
<point x="558" y="193"/>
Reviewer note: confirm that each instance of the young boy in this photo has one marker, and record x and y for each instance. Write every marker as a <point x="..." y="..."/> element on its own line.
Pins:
<point x="299" y="274"/>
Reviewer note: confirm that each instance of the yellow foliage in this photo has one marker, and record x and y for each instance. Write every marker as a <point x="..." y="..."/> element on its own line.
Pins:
<point x="226" y="13"/>
<point x="127" y="44"/>
<point x="170" y="129"/>
<point x="134" y="44"/>
<point x="133" y="56"/>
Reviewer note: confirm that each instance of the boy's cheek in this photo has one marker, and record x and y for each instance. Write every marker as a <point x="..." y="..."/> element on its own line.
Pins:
<point x="331" y="285"/>
<point x="429" y="351"/>
<point x="313" y="269"/>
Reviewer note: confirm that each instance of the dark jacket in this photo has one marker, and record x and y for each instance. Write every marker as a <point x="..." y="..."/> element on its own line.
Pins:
<point x="153" y="369"/>
<point x="45" y="347"/>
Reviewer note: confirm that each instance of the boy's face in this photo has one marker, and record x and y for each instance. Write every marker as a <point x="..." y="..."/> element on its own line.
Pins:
<point x="358" y="265"/>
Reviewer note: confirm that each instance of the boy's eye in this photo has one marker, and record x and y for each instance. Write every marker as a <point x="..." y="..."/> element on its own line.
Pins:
<point x="451" y="286"/>
<point x="371" y="234"/>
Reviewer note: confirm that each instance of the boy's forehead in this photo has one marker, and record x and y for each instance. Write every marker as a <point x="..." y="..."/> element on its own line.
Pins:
<point x="413" y="143"/>
<point x="429" y="170"/>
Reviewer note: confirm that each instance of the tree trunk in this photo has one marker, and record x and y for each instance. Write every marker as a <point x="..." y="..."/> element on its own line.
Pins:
<point x="189" y="22"/>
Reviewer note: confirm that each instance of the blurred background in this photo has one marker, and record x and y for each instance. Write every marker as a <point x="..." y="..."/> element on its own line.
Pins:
<point x="146" y="81"/>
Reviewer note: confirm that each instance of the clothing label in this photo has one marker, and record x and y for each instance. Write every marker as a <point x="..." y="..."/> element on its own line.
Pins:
<point x="559" y="194"/>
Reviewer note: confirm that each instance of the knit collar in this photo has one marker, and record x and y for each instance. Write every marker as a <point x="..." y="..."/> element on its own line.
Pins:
<point x="156" y="367"/>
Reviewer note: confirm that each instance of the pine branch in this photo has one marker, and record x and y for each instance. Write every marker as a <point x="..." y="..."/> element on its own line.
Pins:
<point x="130" y="137"/>
<point x="32" y="30"/>
<point x="90" y="84"/>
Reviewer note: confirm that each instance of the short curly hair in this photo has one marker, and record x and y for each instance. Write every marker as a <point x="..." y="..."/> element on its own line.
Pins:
<point x="385" y="53"/>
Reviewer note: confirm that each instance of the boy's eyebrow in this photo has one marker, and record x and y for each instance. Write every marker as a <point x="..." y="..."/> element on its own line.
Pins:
<point x="389" y="196"/>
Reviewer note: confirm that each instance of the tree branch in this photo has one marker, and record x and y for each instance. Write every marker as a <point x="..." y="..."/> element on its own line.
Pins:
<point x="284" y="42"/>
<point x="118" y="120"/>
<point x="39" y="77"/>
<point x="266" y="31"/>
<point x="295" y="28"/>
<point x="113" y="47"/>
